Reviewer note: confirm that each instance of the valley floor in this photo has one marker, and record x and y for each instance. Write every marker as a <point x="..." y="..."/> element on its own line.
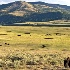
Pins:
<point x="34" y="48"/>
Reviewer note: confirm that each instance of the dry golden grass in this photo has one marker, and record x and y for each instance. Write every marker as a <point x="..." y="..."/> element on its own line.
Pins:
<point x="18" y="13"/>
<point x="29" y="47"/>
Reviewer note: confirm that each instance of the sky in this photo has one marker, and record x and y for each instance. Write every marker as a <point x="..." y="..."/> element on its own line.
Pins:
<point x="62" y="2"/>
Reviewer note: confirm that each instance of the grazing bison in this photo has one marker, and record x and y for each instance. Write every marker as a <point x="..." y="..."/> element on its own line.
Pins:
<point x="6" y="43"/>
<point x="18" y="35"/>
<point x="67" y="63"/>
<point x="0" y="45"/>
<point x="43" y="46"/>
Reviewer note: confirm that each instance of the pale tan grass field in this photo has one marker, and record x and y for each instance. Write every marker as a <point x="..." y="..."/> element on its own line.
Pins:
<point x="29" y="47"/>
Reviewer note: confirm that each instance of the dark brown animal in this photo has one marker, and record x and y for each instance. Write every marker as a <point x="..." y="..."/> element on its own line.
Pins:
<point x="43" y="46"/>
<point x="18" y="35"/>
<point x="67" y="63"/>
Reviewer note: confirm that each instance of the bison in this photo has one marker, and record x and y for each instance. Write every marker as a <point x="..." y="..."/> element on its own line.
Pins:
<point x="67" y="62"/>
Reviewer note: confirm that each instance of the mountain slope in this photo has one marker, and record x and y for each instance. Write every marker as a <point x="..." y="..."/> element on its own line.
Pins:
<point x="52" y="5"/>
<point x="21" y="11"/>
<point x="18" y="8"/>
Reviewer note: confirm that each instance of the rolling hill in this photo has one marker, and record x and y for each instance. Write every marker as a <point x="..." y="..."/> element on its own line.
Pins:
<point x="21" y="11"/>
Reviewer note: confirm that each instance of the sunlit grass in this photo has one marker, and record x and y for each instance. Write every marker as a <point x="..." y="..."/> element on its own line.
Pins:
<point x="57" y="47"/>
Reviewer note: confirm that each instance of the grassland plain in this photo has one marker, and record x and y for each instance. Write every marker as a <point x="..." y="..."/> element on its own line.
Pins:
<point x="33" y="48"/>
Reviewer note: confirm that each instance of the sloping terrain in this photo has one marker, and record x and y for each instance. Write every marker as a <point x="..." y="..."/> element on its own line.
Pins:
<point x="21" y="11"/>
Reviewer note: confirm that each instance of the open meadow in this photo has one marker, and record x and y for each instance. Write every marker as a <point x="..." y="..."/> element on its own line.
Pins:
<point x="34" y="48"/>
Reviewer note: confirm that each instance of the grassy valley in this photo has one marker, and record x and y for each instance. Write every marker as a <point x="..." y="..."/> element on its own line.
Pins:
<point x="34" y="36"/>
<point x="33" y="47"/>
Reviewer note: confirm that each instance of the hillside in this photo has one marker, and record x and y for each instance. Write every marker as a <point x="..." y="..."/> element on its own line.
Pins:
<point x="21" y="11"/>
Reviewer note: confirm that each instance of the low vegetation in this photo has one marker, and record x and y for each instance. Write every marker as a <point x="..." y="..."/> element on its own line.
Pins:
<point x="34" y="48"/>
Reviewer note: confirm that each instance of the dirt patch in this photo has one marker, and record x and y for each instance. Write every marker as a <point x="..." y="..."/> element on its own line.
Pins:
<point x="27" y="33"/>
<point x="8" y="31"/>
<point x="3" y="34"/>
